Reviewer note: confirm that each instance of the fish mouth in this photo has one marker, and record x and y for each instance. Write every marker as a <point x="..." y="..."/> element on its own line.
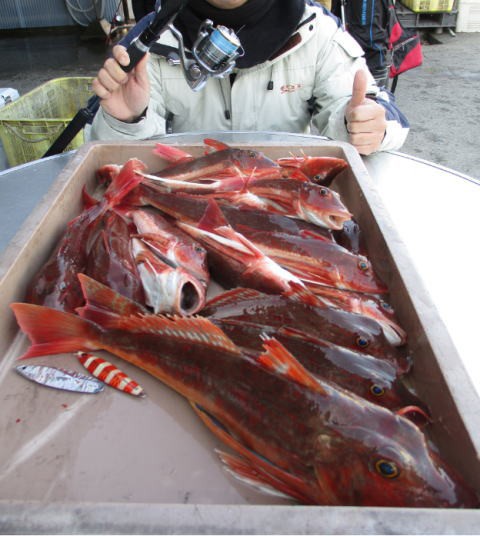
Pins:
<point x="190" y="299"/>
<point x="330" y="220"/>
<point x="173" y="291"/>
<point x="394" y="334"/>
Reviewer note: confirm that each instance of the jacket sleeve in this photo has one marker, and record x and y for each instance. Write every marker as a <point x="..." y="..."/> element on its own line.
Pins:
<point x="106" y="127"/>
<point x="337" y="64"/>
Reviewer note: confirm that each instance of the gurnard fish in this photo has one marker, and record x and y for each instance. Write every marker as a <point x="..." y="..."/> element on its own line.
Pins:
<point x="371" y="378"/>
<point x="56" y="285"/>
<point x="289" y="430"/>
<point x="233" y="260"/>
<point x="303" y="200"/>
<point x="298" y="311"/>
<point x="317" y="261"/>
<point x="223" y="161"/>
<point x="190" y="209"/>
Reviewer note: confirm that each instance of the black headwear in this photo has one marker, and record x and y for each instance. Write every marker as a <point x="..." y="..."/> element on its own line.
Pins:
<point x="263" y="26"/>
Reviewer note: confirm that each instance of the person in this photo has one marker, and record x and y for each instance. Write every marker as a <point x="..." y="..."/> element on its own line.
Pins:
<point x="300" y="69"/>
<point x="367" y="21"/>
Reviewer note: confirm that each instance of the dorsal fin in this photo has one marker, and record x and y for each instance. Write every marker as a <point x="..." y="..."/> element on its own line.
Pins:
<point x="173" y="155"/>
<point x="216" y="144"/>
<point x="232" y="297"/>
<point x="194" y="329"/>
<point x="278" y="359"/>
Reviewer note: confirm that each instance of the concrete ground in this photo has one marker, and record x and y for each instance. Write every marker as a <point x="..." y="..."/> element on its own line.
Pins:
<point x="441" y="98"/>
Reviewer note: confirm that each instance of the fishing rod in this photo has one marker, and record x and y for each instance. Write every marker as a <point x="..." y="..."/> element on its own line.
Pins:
<point x="213" y="55"/>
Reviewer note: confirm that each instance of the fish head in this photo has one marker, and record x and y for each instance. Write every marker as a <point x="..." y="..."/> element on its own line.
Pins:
<point x="386" y="462"/>
<point x="355" y="272"/>
<point x="322" y="206"/>
<point x="168" y="288"/>
<point x="383" y="312"/>
<point x="323" y="169"/>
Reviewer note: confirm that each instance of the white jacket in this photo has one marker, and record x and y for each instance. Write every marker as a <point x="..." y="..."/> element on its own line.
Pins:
<point x="319" y="62"/>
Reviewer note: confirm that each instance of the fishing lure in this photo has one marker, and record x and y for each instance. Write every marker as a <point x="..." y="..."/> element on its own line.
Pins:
<point x="109" y="374"/>
<point x="57" y="378"/>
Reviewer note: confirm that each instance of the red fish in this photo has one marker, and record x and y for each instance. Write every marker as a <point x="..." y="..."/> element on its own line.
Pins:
<point x="317" y="261"/>
<point x="56" y="285"/>
<point x="190" y="209"/>
<point x="316" y="204"/>
<point x="307" y="201"/>
<point x="225" y="160"/>
<point x="291" y="431"/>
<point x="109" y="374"/>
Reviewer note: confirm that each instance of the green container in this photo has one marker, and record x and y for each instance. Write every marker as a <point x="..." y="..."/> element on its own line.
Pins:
<point x="29" y="125"/>
<point x="428" y="6"/>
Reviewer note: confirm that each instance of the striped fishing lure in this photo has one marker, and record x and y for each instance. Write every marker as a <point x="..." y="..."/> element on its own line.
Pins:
<point x="109" y="374"/>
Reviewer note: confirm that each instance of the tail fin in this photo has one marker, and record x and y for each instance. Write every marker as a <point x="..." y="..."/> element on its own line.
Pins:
<point x="53" y="332"/>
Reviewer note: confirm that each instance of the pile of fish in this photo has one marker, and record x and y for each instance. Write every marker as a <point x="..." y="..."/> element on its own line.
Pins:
<point x="299" y="364"/>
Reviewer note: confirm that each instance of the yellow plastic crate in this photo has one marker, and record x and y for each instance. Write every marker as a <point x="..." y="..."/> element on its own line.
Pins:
<point x="422" y="6"/>
<point x="29" y="125"/>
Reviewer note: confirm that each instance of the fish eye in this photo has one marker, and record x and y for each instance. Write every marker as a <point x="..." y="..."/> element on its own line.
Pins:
<point x="387" y="468"/>
<point x="363" y="265"/>
<point x="323" y="192"/>
<point x="386" y="306"/>
<point x="317" y="177"/>
<point x="252" y="154"/>
<point x="362" y="342"/>
<point x="376" y="390"/>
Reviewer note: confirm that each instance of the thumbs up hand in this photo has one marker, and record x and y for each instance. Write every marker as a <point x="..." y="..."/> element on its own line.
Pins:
<point x="366" y="121"/>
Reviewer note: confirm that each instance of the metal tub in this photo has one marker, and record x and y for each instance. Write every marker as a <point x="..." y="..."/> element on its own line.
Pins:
<point x="110" y="463"/>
